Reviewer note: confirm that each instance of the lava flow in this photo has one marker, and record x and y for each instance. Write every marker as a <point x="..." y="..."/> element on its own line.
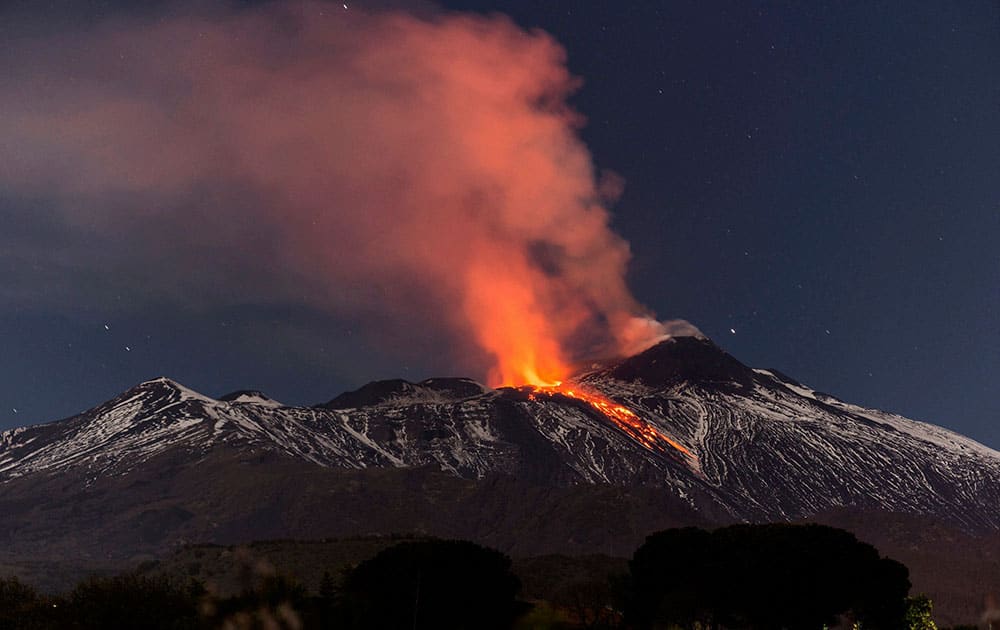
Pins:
<point x="623" y="417"/>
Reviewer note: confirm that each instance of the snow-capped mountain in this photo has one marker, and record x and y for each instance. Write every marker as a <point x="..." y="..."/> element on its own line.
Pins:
<point x="747" y="444"/>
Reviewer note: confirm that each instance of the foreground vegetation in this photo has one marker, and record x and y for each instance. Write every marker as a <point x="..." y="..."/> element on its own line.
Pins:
<point x="745" y="576"/>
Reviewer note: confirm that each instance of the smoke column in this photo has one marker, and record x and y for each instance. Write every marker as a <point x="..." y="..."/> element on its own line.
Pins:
<point x="427" y="170"/>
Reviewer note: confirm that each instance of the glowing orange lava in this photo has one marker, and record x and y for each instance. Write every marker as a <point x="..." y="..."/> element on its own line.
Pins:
<point x="623" y="417"/>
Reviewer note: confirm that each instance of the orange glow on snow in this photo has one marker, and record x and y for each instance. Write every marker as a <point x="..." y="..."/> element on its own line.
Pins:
<point x="620" y="415"/>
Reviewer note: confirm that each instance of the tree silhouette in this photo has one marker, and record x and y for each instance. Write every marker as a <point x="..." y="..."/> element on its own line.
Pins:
<point x="130" y="601"/>
<point x="762" y="577"/>
<point x="19" y="605"/>
<point x="431" y="584"/>
<point x="669" y="576"/>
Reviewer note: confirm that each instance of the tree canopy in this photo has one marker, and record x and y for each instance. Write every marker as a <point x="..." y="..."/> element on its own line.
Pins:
<point x="764" y="576"/>
<point x="436" y="584"/>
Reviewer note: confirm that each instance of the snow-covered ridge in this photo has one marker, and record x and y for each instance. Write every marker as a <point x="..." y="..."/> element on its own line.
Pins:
<point x="250" y="397"/>
<point x="794" y="387"/>
<point x="160" y="414"/>
<point x="766" y="447"/>
<point x="186" y="393"/>
<point x="923" y="431"/>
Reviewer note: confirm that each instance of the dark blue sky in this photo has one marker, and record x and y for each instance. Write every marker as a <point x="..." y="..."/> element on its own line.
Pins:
<point x="817" y="187"/>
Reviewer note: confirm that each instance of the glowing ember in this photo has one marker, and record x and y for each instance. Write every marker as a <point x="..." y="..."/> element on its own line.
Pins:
<point x="623" y="417"/>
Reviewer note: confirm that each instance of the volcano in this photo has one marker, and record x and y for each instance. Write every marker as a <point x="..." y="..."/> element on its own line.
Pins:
<point x="707" y="441"/>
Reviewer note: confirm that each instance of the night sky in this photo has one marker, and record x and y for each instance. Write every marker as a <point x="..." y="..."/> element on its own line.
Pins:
<point x="815" y="186"/>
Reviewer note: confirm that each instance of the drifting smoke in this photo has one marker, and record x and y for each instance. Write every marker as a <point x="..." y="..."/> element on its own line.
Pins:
<point x="428" y="170"/>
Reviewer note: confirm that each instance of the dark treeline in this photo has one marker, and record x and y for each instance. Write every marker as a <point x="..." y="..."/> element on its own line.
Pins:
<point x="745" y="576"/>
<point x="764" y="576"/>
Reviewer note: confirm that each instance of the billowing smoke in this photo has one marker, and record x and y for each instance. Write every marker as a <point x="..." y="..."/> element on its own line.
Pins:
<point x="424" y="172"/>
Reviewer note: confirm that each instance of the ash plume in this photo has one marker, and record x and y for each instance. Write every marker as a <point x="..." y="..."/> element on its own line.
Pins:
<point x="421" y="174"/>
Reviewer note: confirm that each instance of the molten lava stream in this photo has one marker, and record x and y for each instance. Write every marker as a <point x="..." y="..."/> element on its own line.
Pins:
<point x="623" y="417"/>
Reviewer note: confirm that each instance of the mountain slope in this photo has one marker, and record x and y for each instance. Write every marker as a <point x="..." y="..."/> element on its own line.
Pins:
<point x="750" y="444"/>
<point x="785" y="451"/>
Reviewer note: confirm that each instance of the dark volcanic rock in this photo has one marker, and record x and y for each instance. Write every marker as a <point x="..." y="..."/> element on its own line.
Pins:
<point x="684" y="359"/>
<point x="370" y="394"/>
<point x="378" y="392"/>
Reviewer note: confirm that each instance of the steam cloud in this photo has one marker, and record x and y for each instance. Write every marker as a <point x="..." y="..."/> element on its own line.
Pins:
<point x="426" y="172"/>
